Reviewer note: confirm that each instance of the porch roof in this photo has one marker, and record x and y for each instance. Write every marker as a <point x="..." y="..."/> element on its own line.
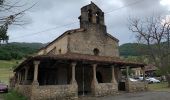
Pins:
<point x="74" y="57"/>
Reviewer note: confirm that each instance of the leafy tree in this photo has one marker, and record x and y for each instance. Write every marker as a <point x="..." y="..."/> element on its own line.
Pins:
<point x="155" y="33"/>
<point x="3" y="33"/>
<point x="18" y="50"/>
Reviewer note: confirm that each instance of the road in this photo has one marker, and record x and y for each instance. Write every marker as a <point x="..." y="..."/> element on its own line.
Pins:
<point x="135" y="96"/>
<point x="130" y="96"/>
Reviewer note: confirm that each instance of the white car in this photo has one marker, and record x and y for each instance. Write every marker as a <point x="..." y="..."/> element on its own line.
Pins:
<point x="141" y="78"/>
<point x="152" y="80"/>
<point x="133" y="80"/>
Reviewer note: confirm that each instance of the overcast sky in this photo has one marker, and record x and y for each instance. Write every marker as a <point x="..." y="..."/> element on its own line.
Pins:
<point x="50" y="18"/>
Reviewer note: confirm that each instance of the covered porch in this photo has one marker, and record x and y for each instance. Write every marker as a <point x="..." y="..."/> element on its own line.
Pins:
<point x="71" y="75"/>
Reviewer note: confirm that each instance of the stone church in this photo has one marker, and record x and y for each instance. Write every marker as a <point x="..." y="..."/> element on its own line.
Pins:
<point x="80" y="62"/>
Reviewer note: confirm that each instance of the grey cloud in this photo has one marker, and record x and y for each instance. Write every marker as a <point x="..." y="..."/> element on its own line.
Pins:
<point x="52" y="13"/>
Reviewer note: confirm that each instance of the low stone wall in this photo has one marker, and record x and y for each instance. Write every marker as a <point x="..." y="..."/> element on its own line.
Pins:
<point x="54" y="92"/>
<point x="103" y="89"/>
<point x="136" y="86"/>
<point x="25" y="90"/>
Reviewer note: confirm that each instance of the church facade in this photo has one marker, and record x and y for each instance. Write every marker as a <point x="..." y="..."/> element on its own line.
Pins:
<point x="83" y="61"/>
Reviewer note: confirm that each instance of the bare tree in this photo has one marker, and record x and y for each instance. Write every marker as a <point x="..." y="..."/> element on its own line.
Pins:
<point x="155" y="33"/>
<point x="10" y="16"/>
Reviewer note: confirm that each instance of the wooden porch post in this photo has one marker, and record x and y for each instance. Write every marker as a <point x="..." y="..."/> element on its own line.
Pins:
<point x="35" y="81"/>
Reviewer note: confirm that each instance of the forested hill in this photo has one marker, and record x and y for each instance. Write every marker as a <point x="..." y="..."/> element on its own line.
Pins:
<point x="18" y="50"/>
<point x="132" y="49"/>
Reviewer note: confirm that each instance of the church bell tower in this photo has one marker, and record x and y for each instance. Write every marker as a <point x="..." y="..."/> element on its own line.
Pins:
<point x="92" y="17"/>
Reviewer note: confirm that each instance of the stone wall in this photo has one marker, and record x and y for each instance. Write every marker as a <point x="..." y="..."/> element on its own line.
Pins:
<point x="51" y="92"/>
<point x="86" y="42"/>
<point x="136" y="86"/>
<point x="25" y="90"/>
<point x="54" y="92"/>
<point x="103" y="89"/>
<point x="56" y="47"/>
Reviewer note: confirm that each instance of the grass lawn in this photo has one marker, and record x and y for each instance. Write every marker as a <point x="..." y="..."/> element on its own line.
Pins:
<point x="163" y="86"/>
<point x="7" y="64"/>
<point x="6" y="70"/>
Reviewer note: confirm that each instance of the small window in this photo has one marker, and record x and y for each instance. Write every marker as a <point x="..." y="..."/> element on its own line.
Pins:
<point x="90" y="15"/>
<point x="96" y="51"/>
<point x="59" y="51"/>
<point x="97" y="18"/>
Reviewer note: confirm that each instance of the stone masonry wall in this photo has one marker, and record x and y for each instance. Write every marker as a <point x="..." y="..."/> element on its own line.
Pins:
<point x="52" y="92"/>
<point x="85" y="42"/>
<point x="60" y="44"/>
<point x="103" y="89"/>
<point x="25" y="90"/>
<point x="56" y="92"/>
<point x="136" y="86"/>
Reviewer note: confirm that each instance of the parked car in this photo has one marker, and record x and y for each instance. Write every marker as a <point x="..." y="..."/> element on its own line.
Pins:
<point x="152" y="80"/>
<point x="141" y="78"/>
<point x="3" y="88"/>
<point x="133" y="80"/>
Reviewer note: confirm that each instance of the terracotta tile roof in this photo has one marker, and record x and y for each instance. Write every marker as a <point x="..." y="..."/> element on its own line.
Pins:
<point x="82" y="57"/>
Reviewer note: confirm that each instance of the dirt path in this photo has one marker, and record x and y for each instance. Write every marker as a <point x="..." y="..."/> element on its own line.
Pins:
<point x="135" y="96"/>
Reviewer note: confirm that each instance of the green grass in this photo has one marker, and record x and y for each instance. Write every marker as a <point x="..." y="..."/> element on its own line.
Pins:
<point x="7" y="64"/>
<point x="6" y="70"/>
<point x="163" y="86"/>
<point x="13" y="95"/>
<point x="5" y="74"/>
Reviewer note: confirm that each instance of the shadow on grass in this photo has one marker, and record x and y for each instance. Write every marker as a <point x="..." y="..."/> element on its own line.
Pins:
<point x="13" y="95"/>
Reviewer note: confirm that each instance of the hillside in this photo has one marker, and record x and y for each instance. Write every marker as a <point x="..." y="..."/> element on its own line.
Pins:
<point x="132" y="49"/>
<point x="18" y="50"/>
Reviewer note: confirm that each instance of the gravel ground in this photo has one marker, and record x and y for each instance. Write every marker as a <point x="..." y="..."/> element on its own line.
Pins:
<point x="134" y="96"/>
